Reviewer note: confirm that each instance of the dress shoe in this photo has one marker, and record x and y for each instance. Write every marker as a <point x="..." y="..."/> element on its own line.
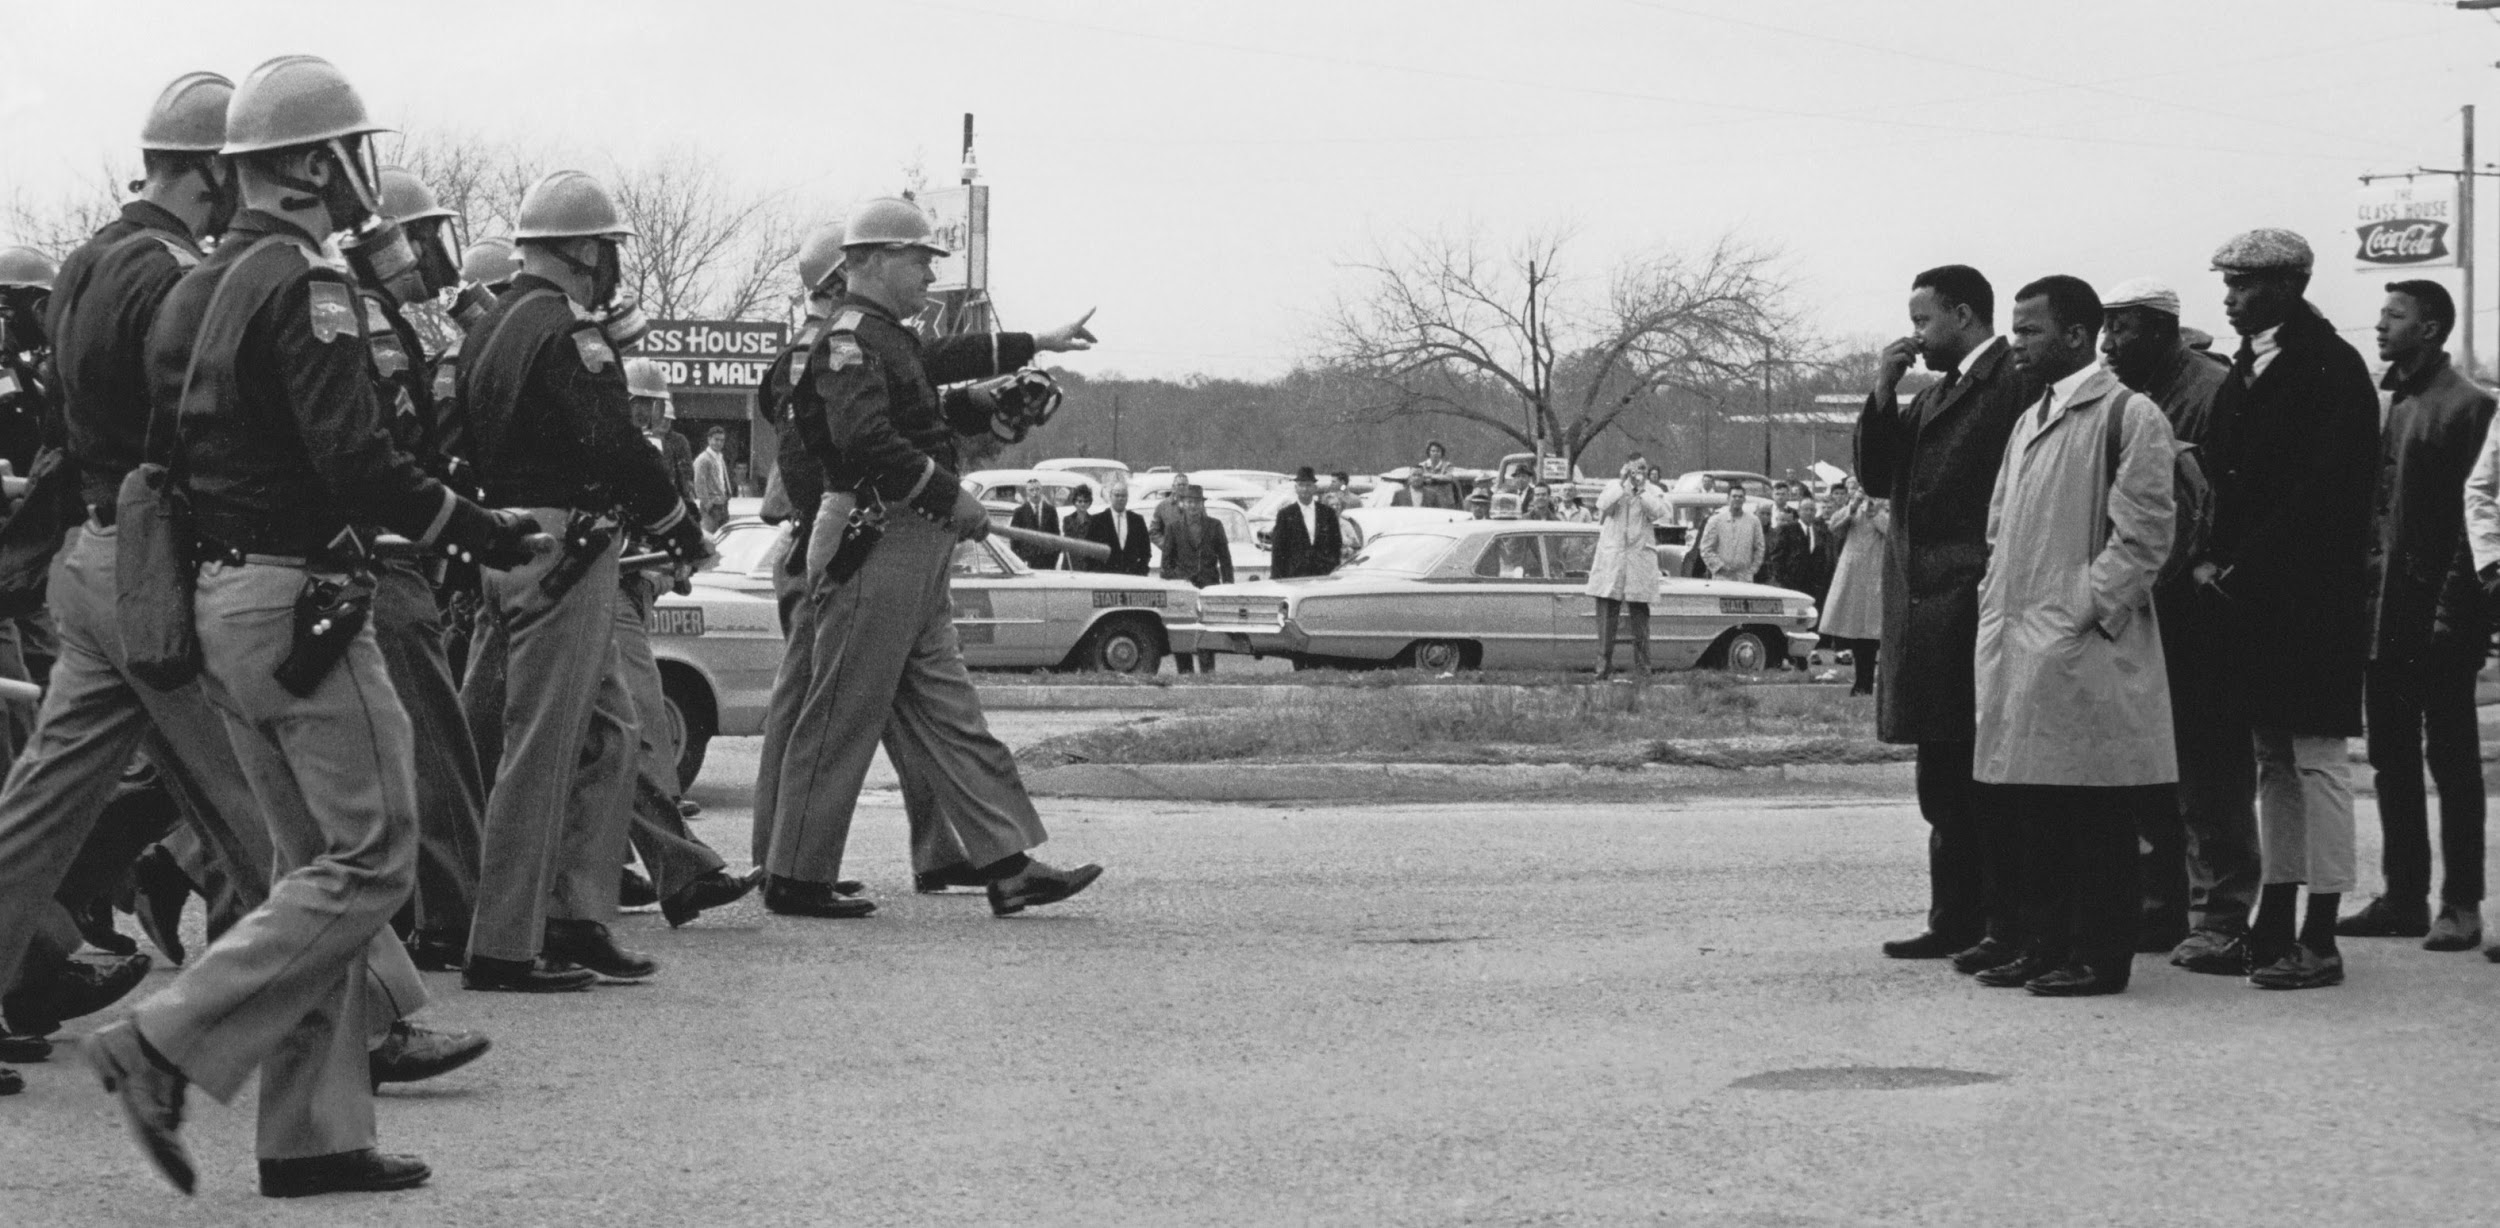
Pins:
<point x="717" y="889"/>
<point x="1039" y="884"/>
<point x="19" y="1047"/>
<point x="792" y="898"/>
<point x="635" y="891"/>
<point x="95" y="924"/>
<point x="2456" y="929"/>
<point x="1929" y="945"/>
<point x="939" y="881"/>
<point x="348" y="1172"/>
<point x="2300" y="968"/>
<point x="2075" y="981"/>
<point x="432" y="952"/>
<point x="488" y="974"/>
<point x="687" y="809"/>
<point x="413" y="1054"/>
<point x="2381" y="918"/>
<point x="2213" y="952"/>
<point x="73" y="988"/>
<point x="159" y="890"/>
<point x="151" y="1098"/>
<point x="589" y="944"/>
<point x="2018" y="972"/>
<point x="1990" y="953"/>
<point x="11" y="1082"/>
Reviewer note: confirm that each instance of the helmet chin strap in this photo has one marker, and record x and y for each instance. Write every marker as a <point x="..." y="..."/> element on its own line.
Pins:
<point x="316" y="194"/>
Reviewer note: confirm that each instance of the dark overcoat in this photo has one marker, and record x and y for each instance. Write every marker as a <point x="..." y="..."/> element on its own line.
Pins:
<point x="1937" y="460"/>
<point x="2424" y="600"/>
<point x="2295" y="452"/>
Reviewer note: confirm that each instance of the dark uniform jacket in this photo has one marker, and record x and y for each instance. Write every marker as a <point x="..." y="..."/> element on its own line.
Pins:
<point x="882" y="426"/>
<point x="1296" y="552"/>
<point x="404" y="384"/>
<point x="1937" y="461"/>
<point x="550" y="422"/>
<point x="104" y="299"/>
<point x="1130" y="558"/>
<point x="276" y="426"/>
<point x="1044" y="519"/>
<point x="2290" y="458"/>
<point x="780" y="399"/>
<point x="2423" y="595"/>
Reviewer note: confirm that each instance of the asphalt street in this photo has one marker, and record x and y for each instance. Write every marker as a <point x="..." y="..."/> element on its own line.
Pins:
<point x="1496" y="1013"/>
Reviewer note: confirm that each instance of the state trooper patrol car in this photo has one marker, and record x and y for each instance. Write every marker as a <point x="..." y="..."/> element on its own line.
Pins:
<point x="719" y="644"/>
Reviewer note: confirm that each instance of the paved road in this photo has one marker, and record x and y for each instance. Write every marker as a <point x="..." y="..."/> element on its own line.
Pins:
<point x="1518" y="1014"/>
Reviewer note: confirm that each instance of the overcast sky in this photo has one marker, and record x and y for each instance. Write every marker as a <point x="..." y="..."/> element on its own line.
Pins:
<point x="1201" y="170"/>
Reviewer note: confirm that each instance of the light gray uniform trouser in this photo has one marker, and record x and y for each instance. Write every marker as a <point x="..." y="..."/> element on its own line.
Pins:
<point x="450" y="791"/>
<point x="286" y="991"/>
<point x="884" y="663"/>
<point x="669" y="850"/>
<point x="555" y="818"/>
<point x="94" y="717"/>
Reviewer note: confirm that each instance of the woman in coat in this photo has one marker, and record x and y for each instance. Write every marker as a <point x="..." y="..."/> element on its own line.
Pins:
<point x="1625" y="571"/>
<point x="1853" y="611"/>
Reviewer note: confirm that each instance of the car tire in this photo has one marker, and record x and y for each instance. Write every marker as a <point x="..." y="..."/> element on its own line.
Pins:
<point x="1122" y="646"/>
<point x="1741" y="651"/>
<point x="1440" y="656"/>
<point x="688" y="710"/>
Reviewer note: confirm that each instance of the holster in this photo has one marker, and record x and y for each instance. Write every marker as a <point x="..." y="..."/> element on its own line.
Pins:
<point x="328" y="615"/>
<point x="846" y="530"/>
<point x="585" y="539"/>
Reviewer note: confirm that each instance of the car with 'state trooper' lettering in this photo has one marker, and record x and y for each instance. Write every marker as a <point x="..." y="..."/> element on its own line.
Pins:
<point x="719" y="643"/>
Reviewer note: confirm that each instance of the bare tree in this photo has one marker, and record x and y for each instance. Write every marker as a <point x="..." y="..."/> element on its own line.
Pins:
<point x="56" y="225"/>
<point x="703" y="250"/>
<point x="1441" y="327"/>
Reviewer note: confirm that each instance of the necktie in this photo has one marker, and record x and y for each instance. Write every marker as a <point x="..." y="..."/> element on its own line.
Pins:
<point x="1944" y="387"/>
<point x="2047" y="399"/>
<point x="2244" y="363"/>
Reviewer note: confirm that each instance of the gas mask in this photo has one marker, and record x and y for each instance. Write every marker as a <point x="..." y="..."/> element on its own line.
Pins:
<point x="471" y="304"/>
<point x="624" y="323"/>
<point x="21" y="318"/>
<point x="384" y="259"/>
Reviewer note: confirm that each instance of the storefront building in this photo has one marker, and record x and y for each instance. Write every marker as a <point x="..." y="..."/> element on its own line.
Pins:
<point x="713" y="368"/>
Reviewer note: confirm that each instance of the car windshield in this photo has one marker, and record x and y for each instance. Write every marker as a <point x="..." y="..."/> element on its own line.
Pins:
<point x="974" y="558"/>
<point x="1411" y="554"/>
<point x="745" y="549"/>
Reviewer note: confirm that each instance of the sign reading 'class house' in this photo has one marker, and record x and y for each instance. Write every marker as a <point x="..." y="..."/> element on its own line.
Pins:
<point x="713" y="353"/>
<point x="2404" y="223"/>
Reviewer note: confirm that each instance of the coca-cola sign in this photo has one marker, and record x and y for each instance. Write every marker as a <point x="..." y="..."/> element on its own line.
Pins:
<point x="2404" y="241"/>
<point x="2404" y="223"/>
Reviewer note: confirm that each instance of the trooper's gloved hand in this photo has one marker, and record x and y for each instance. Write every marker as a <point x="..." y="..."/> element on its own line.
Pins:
<point x="970" y="519"/>
<point x="685" y="542"/>
<point x="514" y="541"/>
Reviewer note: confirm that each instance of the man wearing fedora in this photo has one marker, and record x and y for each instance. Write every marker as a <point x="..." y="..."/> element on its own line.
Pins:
<point x="1309" y="539"/>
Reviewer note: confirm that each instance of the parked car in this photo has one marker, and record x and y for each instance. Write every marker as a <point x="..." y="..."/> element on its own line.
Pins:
<point x="720" y="643"/>
<point x="1485" y="594"/>
<point x="1007" y="485"/>
<point x="1096" y="469"/>
<point x="1708" y="481"/>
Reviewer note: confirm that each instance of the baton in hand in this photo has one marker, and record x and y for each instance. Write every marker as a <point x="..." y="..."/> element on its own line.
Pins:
<point x="1081" y="548"/>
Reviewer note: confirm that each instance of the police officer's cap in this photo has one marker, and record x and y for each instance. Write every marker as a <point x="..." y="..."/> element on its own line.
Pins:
<point x="190" y="116"/>
<point x="294" y="100"/>
<point x="2264" y="250"/>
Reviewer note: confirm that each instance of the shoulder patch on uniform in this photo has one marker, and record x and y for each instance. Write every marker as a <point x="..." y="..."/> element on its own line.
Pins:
<point x="581" y="313"/>
<point x="808" y="336"/>
<point x="849" y="320"/>
<point x="596" y="356"/>
<point x="842" y="352"/>
<point x="333" y="312"/>
<point x="184" y="256"/>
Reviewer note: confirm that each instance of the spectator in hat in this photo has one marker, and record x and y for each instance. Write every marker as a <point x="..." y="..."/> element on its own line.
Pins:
<point x="2200" y="866"/>
<point x="2292" y="449"/>
<point x="1309" y="539"/>
<point x="2427" y="629"/>
<point x="1195" y="549"/>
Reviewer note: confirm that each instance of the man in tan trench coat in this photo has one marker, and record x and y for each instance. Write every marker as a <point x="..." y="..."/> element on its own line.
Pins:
<point x="2073" y="699"/>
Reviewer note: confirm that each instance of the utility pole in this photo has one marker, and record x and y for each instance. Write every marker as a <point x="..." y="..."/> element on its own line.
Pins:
<point x="2465" y="245"/>
<point x="1115" y="426"/>
<point x="1767" y="360"/>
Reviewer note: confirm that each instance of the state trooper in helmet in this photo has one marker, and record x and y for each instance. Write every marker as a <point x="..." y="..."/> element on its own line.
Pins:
<point x="262" y="405"/>
<point x="875" y="655"/>
<point x="798" y="481"/>
<point x="25" y="356"/>
<point x="551" y="431"/>
<point x="96" y="713"/>
<point x="407" y="620"/>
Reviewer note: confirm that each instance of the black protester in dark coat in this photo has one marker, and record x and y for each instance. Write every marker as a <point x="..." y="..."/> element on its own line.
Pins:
<point x="2425" y="601"/>
<point x="2293" y="457"/>
<point x="1937" y="460"/>
<point x="1129" y="559"/>
<point x="1296" y="553"/>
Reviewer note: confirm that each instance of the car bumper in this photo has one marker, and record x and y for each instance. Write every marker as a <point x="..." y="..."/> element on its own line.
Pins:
<point x="1254" y="641"/>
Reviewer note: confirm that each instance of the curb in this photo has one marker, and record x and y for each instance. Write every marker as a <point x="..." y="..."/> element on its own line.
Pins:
<point x="1167" y="698"/>
<point x="1435" y="782"/>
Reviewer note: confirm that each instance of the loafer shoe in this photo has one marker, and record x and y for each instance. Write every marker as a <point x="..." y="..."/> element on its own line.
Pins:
<point x="11" y="1082"/>
<point x="687" y="809"/>
<point x="2213" y="953"/>
<point x="1039" y="884"/>
<point x="589" y="944"/>
<point x="19" y="1047"/>
<point x="2300" y="968"/>
<point x="413" y="1054"/>
<point x="789" y="897"/>
<point x="1928" y="945"/>
<point x="1990" y="953"/>
<point x="2075" y="981"/>
<point x="946" y="878"/>
<point x="151" y="1098"/>
<point x="438" y="952"/>
<point x="2455" y="929"/>
<point x="2017" y="972"/>
<point x="635" y="891"/>
<point x="95" y="924"/>
<point x="717" y="889"/>
<point x="74" y="987"/>
<point x="2381" y="919"/>
<point x="159" y="890"/>
<point x="488" y="974"/>
<point x="347" y="1172"/>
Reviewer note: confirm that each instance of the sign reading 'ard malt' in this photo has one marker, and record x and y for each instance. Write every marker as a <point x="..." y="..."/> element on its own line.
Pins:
<point x="2405" y="223"/>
